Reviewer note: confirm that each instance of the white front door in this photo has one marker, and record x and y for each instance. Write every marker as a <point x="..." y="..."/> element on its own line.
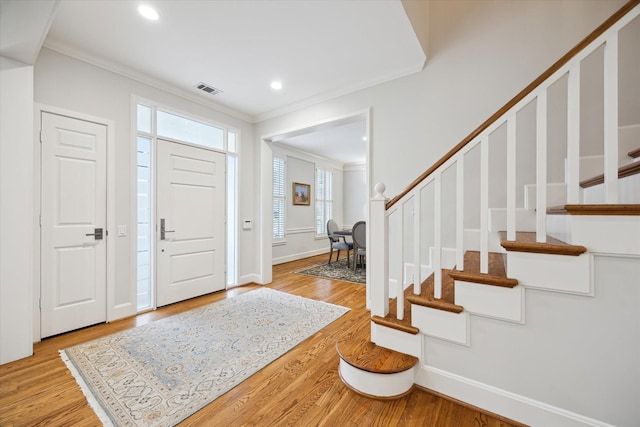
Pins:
<point x="73" y="210"/>
<point x="190" y="203"/>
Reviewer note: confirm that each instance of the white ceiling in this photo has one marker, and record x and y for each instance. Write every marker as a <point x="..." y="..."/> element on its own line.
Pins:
<point x="319" y="49"/>
<point x="341" y="141"/>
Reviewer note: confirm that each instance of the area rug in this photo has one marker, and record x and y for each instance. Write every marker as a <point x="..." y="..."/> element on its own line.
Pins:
<point x="337" y="270"/>
<point x="159" y="373"/>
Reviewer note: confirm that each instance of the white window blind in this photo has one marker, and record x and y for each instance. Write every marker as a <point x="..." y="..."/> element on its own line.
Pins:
<point x="324" y="199"/>
<point x="278" y="198"/>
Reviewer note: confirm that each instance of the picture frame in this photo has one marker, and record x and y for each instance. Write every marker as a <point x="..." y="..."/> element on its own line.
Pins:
<point x="301" y="194"/>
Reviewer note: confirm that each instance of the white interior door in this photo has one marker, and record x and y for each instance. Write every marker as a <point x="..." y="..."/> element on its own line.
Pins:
<point x="190" y="210"/>
<point x="73" y="209"/>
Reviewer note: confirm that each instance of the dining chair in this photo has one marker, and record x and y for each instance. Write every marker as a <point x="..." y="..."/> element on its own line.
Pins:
<point x="359" y="236"/>
<point x="337" y="241"/>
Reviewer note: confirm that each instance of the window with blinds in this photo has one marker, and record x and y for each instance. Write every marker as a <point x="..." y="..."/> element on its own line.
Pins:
<point x="324" y="199"/>
<point x="278" y="198"/>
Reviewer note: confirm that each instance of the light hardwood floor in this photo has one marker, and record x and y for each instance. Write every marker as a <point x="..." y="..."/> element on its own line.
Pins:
<point x="301" y="388"/>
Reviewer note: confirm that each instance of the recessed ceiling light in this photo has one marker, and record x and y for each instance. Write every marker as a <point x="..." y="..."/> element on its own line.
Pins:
<point x="148" y="12"/>
<point x="364" y="138"/>
<point x="275" y="85"/>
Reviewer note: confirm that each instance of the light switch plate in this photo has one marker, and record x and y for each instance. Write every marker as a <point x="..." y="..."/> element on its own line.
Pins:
<point x="122" y="230"/>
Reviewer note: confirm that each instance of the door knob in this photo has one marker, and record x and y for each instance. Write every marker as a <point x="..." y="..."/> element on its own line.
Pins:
<point x="97" y="234"/>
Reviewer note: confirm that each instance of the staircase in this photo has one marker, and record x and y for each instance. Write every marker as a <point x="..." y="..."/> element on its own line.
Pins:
<point x="493" y="256"/>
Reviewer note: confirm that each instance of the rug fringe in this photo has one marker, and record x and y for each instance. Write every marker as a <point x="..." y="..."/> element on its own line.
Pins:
<point x="86" y="390"/>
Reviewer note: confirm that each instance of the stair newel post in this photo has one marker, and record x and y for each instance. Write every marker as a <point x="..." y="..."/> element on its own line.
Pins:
<point x="417" y="264"/>
<point x="378" y="253"/>
<point x="484" y="204"/>
<point x="611" y="119"/>
<point x="437" y="224"/>
<point x="511" y="177"/>
<point x="572" y="177"/>
<point x="460" y="213"/>
<point x="541" y="166"/>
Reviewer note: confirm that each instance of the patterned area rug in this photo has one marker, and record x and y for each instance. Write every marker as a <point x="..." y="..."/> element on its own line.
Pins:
<point x="337" y="270"/>
<point x="159" y="373"/>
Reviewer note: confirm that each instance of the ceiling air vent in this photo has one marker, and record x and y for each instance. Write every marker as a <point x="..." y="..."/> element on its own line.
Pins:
<point x="208" y="88"/>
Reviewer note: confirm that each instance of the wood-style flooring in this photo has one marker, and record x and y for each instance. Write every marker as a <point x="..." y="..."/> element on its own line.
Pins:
<point x="301" y="388"/>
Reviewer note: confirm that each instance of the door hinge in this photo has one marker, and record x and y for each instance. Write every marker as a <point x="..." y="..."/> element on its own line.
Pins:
<point x="40" y="137"/>
<point x="40" y="220"/>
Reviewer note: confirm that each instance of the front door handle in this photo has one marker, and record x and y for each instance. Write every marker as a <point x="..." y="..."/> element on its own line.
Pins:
<point x="163" y="230"/>
<point x="97" y="234"/>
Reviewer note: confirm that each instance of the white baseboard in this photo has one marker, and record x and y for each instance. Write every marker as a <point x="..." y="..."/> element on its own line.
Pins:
<point x="516" y="407"/>
<point x="299" y="255"/>
<point x="249" y="278"/>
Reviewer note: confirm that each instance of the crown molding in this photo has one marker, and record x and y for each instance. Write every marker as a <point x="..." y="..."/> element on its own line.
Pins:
<point x="144" y="79"/>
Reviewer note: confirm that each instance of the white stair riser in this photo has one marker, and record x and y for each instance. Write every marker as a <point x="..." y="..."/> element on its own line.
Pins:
<point x="525" y="219"/>
<point x="561" y="273"/>
<point x="491" y="301"/>
<point x="559" y="227"/>
<point x="379" y="385"/>
<point x="441" y="324"/>
<point x="396" y="340"/>
<point x="472" y="240"/>
<point x="609" y="234"/>
<point x="628" y="191"/>
<point x="556" y="196"/>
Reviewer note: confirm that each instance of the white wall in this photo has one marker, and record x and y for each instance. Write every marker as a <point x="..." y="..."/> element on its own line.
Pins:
<point x="576" y="353"/>
<point x="64" y="82"/>
<point x="16" y="210"/>
<point x="355" y="194"/>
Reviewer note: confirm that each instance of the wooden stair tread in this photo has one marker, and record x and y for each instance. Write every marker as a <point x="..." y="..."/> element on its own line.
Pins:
<point x="526" y="242"/>
<point x="497" y="276"/>
<point x="394" y="323"/>
<point x="634" y="153"/>
<point x="628" y="209"/>
<point x="355" y="348"/>
<point x="426" y="297"/>
<point x="391" y="320"/>
<point x="623" y="171"/>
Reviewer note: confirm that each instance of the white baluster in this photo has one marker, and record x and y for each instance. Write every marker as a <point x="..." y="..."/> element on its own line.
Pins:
<point x="437" y="224"/>
<point x="484" y="204"/>
<point x="611" y="119"/>
<point x="378" y="253"/>
<point x="400" y="284"/>
<point x="460" y="213"/>
<point x="573" y="135"/>
<point x="541" y="166"/>
<point x="417" y="269"/>
<point x="511" y="177"/>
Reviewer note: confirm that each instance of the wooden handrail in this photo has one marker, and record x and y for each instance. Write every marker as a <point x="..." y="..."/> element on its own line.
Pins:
<point x="526" y="91"/>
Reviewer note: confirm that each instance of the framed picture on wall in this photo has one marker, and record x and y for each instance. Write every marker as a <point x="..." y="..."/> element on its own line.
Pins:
<point x="301" y="194"/>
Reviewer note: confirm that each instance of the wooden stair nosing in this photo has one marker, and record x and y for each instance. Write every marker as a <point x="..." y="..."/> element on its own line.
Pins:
<point x="395" y="324"/>
<point x="634" y="153"/>
<point x="623" y="172"/>
<point x="526" y="242"/>
<point x="484" y="279"/>
<point x="544" y="248"/>
<point x="437" y="304"/>
<point x="604" y="209"/>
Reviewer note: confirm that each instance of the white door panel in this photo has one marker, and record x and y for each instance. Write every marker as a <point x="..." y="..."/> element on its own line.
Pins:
<point x="191" y="195"/>
<point x="73" y="282"/>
